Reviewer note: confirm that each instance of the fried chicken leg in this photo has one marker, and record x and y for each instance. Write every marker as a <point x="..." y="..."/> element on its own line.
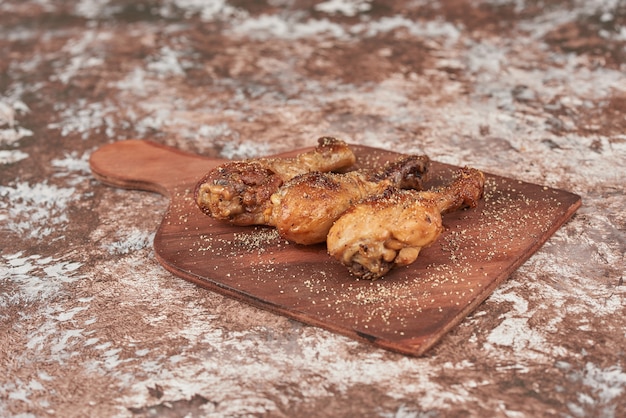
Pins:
<point x="390" y="229"/>
<point x="239" y="191"/>
<point x="305" y="207"/>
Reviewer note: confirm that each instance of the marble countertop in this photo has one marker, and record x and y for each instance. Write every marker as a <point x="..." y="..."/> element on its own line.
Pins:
<point x="92" y="325"/>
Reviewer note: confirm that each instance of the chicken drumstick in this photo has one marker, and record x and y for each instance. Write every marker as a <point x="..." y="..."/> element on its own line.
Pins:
<point x="239" y="191"/>
<point x="305" y="207"/>
<point x="390" y="229"/>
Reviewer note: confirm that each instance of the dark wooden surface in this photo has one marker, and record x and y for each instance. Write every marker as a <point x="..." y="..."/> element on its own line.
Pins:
<point x="407" y="311"/>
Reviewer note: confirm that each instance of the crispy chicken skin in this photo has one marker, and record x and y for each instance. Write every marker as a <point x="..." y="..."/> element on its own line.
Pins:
<point x="239" y="191"/>
<point x="305" y="207"/>
<point x="390" y="229"/>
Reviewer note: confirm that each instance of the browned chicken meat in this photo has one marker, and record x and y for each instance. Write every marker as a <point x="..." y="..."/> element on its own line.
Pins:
<point x="305" y="207"/>
<point x="390" y="229"/>
<point x="239" y="191"/>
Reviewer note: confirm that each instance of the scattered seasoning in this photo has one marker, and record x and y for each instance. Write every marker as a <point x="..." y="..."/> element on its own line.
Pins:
<point x="474" y="244"/>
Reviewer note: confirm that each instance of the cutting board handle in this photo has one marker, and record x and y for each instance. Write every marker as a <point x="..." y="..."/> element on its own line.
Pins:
<point x="145" y="165"/>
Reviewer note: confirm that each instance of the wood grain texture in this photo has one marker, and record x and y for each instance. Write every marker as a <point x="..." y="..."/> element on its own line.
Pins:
<point x="407" y="311"/>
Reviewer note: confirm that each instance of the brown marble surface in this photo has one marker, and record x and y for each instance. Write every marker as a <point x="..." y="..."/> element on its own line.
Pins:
<point x="92" y="325"/>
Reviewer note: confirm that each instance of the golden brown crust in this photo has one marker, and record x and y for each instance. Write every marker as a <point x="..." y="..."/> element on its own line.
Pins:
<point x="239" y="191"/>
<point x="331" y="154"/>
<point x="391" y="229"/>
<point x="304" y="208"/>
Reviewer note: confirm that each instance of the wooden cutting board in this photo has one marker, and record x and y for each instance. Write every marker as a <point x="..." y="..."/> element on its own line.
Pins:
<point x="407" y="311"/>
